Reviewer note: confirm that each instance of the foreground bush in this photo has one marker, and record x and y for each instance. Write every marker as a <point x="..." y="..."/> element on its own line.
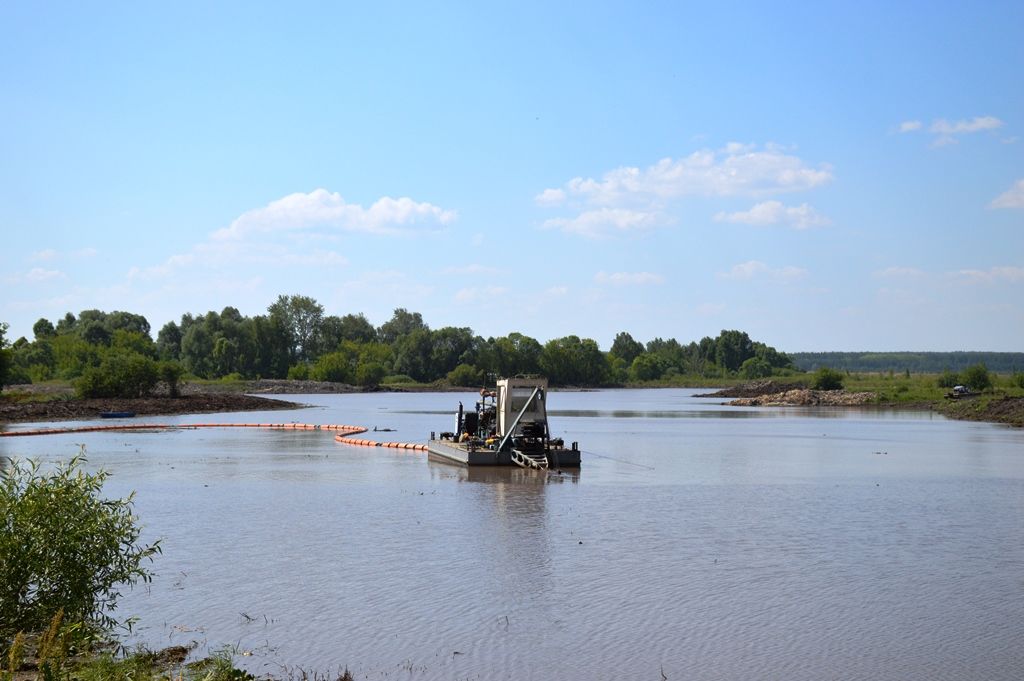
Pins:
<point x="63" y="548"/>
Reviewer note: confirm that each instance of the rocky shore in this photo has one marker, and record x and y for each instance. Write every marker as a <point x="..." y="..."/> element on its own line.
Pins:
<point x="774" y="394"/>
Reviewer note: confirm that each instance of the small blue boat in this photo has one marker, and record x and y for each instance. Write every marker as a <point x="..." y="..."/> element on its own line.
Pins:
<point x="117" y="414"/>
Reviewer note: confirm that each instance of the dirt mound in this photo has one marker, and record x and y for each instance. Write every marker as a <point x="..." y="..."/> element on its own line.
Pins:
<point x="755" y="389"/>
<point x="196" y="403"/>
<point x="802" y="397"/>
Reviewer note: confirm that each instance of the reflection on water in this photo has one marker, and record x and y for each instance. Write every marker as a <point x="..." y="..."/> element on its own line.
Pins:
<point x="697" y="540"/>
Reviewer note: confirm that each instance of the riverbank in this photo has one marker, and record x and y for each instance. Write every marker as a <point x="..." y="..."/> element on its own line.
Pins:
<point x="54" y="403"/>
<point x="991" y="407"/>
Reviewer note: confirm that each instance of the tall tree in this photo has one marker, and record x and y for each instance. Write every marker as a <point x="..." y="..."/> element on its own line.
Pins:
<point x="43" y="329"/>
<point x="402" y="323"/>
<point x="301" y="316"/>
<point x="625" y="348"/>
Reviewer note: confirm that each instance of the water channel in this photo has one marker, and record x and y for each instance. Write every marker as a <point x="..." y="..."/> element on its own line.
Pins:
<point x="697" y="541"/>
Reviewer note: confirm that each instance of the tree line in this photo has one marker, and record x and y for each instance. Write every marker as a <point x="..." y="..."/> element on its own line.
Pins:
<point x="114" y="352"/>
<point x="914" y="362"/>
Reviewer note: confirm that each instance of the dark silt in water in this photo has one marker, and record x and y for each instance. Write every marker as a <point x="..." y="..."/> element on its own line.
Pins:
<point x="697" y="541"/>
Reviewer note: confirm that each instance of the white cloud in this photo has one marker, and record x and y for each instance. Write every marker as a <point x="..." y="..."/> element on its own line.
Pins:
<point x="946" y="132"/>
<point x="774" y="212"/>
<point x="38" y="274"/>
<point x="604" y="221"/>
<point x="1011" y="198"/>
<point x="628" y="278"/>
<point x="976" y="124"/>
<point x="550" y="197"/>
<point x="993" y="275"/>
<point x="49" y="254"/>
<point x="323" y="209"/>
<point x="483" y="293"/>
<point x="898" y="272"/>
<point x="710" y="309"/>
<point x="756" y="269"/>
<point x="471" y="269"/>
<point x="735" y="170"/>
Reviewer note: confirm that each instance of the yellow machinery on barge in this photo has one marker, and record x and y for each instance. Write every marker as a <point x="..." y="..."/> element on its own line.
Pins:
<point x="508" y="427"/>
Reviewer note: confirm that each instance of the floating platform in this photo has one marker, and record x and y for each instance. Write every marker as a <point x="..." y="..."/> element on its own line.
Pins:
<point x="447" y="451"/>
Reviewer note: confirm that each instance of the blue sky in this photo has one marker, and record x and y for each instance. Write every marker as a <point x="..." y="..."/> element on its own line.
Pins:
<point x="832" y="176"/>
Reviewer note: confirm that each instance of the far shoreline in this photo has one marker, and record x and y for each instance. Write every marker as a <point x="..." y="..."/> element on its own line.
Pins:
<point x="42" y="403"/>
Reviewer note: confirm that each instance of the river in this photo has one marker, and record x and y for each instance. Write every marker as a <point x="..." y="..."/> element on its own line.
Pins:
<point x="697" y="541"/>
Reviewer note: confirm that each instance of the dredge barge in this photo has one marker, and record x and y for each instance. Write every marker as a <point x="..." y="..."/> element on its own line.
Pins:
<point x="508" y="427"/>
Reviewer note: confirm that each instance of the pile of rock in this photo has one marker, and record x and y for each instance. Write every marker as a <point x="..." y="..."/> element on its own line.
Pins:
<point x="802" y="397"/>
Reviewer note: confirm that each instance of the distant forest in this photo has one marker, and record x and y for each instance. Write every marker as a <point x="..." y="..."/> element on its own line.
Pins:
<point x="915" y="362"/>
<point x="295" y="339"/>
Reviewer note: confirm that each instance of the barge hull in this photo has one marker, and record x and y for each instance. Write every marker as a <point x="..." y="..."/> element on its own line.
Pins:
<point x="446" y="451"/>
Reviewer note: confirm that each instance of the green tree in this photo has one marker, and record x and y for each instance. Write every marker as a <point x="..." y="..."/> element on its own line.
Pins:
<point x="574" y="361"/>
<point x="300" y="317"/>
<point x="755" y="367"/>
<point x="6" y="359"/>
<point x="43" y="329"/>
<point x="625" y="347"/>
<point x="412" y="354"/>
<point x="64" y="547"/>
<point x="335" y="367"/>
<point x="355" y="327"/>
<point x="370" y="374"/>
<point x="647" y="367"/>
<point x="450" y="347"/>
<point x="169" y="373"/>
<point x="827" y="379"/>
<point x="465" y="375"/>
<point x="168" y="341"/>
<point x="732" y="349"/>
<point x="402" y="323"/>
<point x="120" y="374"/>
<point x="977" y="378"/>
<point x="948" y="379"/>
<point x="271" y="346"/>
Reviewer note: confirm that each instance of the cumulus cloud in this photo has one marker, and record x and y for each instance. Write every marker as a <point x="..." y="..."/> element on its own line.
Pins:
<point x="630" y="198"/>
<point x="38" y="274"/>
<point x="1011" y="198"/>
<point x="993" y="275"/>
<point x="897" y="271"/>
<point x="550" y="197"/>
<point x="755" y="269"/>
<point x="297" y="231"/>
<point x="477" y="294"/>
<point x="628" y="278"/>
<point x="946" y="132"/>
<point x="604" y="221"/>
<point x="735" y="170"/>
<point x="323" y="209"/>
<point x="774" y="212"/>
<point x="50" y="254"/>
<point x="471" y="269"/>
<point x="976" y="124"/>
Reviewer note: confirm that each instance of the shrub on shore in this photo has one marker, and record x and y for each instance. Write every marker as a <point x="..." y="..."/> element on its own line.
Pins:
<point x="827" y="379"/>
<point x="64" y="549"/>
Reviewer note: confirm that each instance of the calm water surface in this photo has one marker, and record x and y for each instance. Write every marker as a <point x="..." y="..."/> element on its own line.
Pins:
<point x="698" y="541"/>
